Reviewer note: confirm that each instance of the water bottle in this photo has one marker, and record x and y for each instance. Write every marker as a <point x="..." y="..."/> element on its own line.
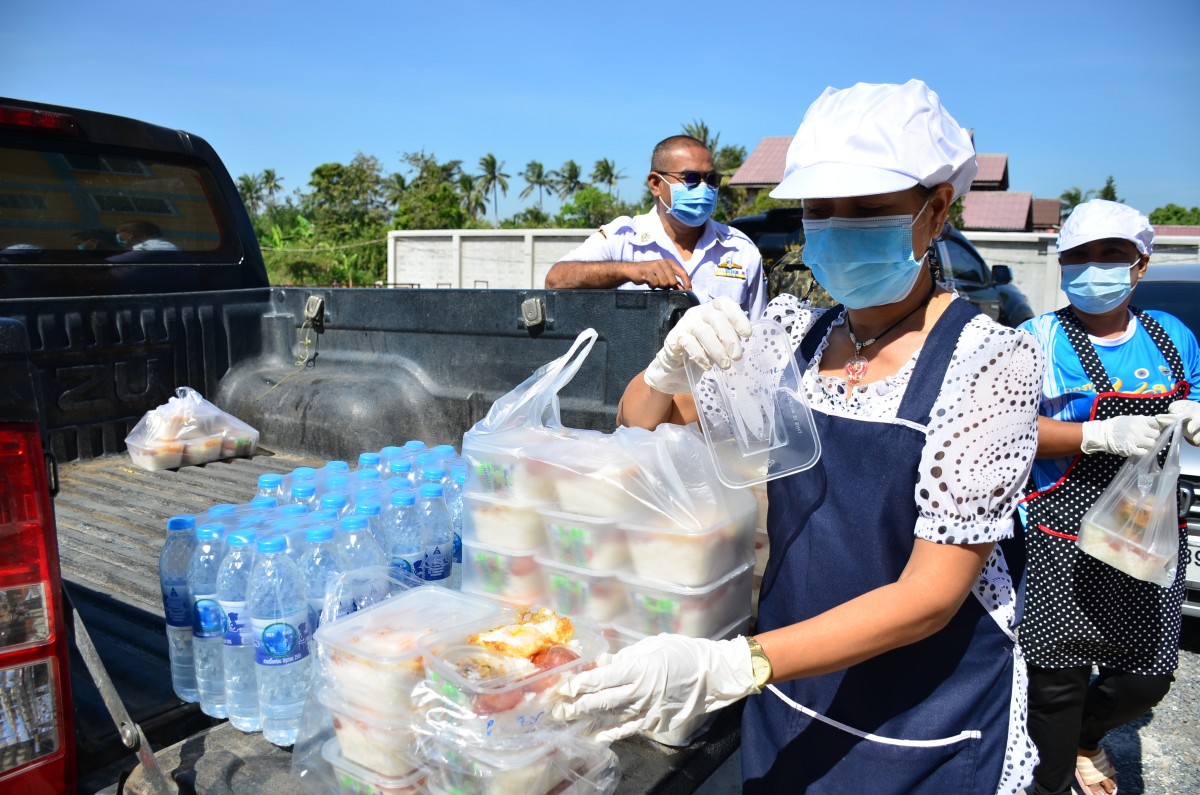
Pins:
<point x="279" y="620"/>
<point x="241" y="681"/>
<point x="445" y="452"/>
<point x="373" y="494"/>
<point x="405" y="540"/>
<point x="335" y="468"/>
<point x="365" y="479"/>
<point x="321" y="563"/>
<point x="437" y="535"/>
<point x="371" y="509"/>
<point x="177" y="603"/>
<point x="453" y="494"/>
<point x="336" y="501"/>
<point x="225" y="514"/>
<point x="356" y="544"/>
<point x="421" y="462"/>
<point x="400" y="474"/>
<point x="208" y="621"/>
<point x="298" y="475"/>
<point x="270" y="485"/>
<point x="263" y="504"/>
<point x="434" y="474"/>
<point x="305" y="494"/>
<point x="368" y="461"/>
<point x="287" y="511"/>
<point x="335" y="484"/>
<point x="414" y="446"/>
<point x="389" y="454"/>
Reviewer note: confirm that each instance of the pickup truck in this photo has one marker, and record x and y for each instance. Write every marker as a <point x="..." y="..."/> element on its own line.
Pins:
<point x="95" y="332"/>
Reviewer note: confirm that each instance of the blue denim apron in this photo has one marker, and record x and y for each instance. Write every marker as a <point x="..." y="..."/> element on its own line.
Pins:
<point x="931" y="717"/>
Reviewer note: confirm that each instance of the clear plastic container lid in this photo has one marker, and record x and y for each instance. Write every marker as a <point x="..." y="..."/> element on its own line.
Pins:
<point x="363" y="780"/>
<point x="757" y="423"/>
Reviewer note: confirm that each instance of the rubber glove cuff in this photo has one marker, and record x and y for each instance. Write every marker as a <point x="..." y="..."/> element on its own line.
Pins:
<point x="1123" y="436"/>
<point x="708" y="334"/>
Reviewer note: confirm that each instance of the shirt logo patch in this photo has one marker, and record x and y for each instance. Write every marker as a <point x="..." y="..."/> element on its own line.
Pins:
<point x="644" y="238"/>
<point x="730" y="269"/>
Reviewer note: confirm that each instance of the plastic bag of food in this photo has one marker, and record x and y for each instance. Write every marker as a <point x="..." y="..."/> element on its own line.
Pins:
<point x="534" y="764"/>
<point x="188" y="430"/>
<point x="1134" y="524"/>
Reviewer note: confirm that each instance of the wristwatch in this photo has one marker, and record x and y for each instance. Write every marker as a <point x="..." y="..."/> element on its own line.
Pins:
<point x="759" y="663"/>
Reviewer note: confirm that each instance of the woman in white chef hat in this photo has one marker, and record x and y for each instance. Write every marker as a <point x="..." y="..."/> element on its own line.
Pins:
<point x="1111" y="368"/>
<point x="885" y="659"/>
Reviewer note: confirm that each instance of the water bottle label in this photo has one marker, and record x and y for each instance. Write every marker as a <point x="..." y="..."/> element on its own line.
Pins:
<point x="238" y="631"/>
<point x="457" y="548"/>
<point x="412" y="565"/>
<point x="177" y="604"/>
<point x="437" y="564"/>
<point x="281" y="641"/>
<point x="208" y="619"/>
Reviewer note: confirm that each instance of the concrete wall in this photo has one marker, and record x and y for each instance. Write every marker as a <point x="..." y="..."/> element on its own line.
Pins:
<point x="519" y="258"/>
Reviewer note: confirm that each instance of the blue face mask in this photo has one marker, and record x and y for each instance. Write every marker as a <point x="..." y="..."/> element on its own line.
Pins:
<point x="863" y="262"/>
<point x="691" y="206"/>
<point x="1097" y="287"/>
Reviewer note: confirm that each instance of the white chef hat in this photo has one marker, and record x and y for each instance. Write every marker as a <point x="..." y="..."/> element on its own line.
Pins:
<point x="876" y="138"/>
<point x="1099" y="219"/>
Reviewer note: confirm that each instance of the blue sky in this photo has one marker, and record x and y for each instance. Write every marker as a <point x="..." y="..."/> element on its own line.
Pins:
<point x="1071" y="91"/>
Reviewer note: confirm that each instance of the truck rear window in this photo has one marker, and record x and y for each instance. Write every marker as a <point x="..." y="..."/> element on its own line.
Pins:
<point x="65" y="206"/>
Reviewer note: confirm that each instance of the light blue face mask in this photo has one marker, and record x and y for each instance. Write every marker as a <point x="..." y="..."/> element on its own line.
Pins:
<point x="863" y="262"/>
<point x="691" y="206"/>
<point x="1097" y="287"/>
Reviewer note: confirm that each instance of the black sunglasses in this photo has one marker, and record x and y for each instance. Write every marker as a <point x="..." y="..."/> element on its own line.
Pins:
<point x="693" y="178"/>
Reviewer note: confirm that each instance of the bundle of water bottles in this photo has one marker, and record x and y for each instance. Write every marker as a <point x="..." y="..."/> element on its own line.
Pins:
<point x="244" y="586"/>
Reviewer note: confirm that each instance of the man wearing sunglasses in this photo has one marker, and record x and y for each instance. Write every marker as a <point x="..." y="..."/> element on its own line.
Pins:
<point x="674" y="246"/>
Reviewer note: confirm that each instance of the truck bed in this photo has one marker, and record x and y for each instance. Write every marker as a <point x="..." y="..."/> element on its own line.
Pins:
<point x="111" y="520"/>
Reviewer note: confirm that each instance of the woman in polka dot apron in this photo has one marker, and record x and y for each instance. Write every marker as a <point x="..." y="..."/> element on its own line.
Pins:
<point x="1115" y="377"/>
<point x="886" y="659"/>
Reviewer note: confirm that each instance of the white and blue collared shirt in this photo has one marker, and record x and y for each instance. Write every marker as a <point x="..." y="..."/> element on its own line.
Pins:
<point x="724" y="261"/>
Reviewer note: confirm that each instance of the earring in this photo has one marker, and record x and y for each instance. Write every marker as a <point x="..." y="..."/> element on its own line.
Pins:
<point x="935" y="263"/>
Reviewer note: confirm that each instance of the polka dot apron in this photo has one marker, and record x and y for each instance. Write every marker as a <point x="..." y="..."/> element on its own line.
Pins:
<point x="1079" y="611"/>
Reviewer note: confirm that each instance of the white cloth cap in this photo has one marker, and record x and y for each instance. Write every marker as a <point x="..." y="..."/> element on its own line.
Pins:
<point x="876" y="138"/>
<point x="1099" y="219"/>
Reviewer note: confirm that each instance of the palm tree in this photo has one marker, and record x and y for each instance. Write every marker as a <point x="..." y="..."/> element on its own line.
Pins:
<point x="569" y="179"/>
<point x="250" y="187"/>
<point x="1071" y="197"/>
<point x="271" y="184"/>
<point x="393" y="189"/>
<point x="699" y="130"/>
<point x="605" y="173"/>
<point x="493" y="179"/>
<point x="536" y="176"/>
<point x="473" y="197"/>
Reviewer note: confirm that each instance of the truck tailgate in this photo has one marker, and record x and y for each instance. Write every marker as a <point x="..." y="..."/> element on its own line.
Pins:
<point x="111" y="520"/>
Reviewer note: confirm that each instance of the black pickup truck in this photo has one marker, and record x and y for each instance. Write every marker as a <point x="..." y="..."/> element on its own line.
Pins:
<point x="95" y="331"/>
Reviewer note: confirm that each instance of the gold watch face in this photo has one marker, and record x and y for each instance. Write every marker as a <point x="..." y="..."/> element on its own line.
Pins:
<point x="762" y="669"/>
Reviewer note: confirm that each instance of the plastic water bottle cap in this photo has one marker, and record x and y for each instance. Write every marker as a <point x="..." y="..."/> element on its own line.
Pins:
<point x="208" y="532"/>
<point x="222" y="510"/>
<point x="315" y="535"/>
<point x="431" y="489"/>
<point x="293" y="510"/>
<point x="337" y="466"/>
<point x="241" y="539"/>
<point x="261" y="503"/>
<point x="403" y="466"/>
<point x="303" y="473"/>
<point x="303" y="492"/>
<point x="184" y="521"/>
<point x="391" y="451"/>
<point x="435" y="473"/>
<point x="325" y="515"/>
<point x="337" y="482"/>
<point x="269" y="481"/>
<point x="414" y="444"/>
<point x="368" y="459"/>
<point x="427" y="460"/>
<point x="445" y="451"/>
<point x="367" y="474"/>
<point x="334" y="501"/>
<point x="369" y="508"/>
<point x="272" y="544"/>
<point x="353" y="523"/>
<point x="404" y="497"/>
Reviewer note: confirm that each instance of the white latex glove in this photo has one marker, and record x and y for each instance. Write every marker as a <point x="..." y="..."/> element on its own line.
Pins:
<point x="658" y="683"/>
<point x="1189" y="410"/>
<point x="709" y="334"/>
<point x="1123" y="436"/>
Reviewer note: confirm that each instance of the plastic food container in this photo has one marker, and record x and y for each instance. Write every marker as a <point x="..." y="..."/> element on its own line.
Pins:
<point x="691" y="558"/>
<point x="699" y="612"/>
<point x="757" y="423"/>
<point x="504" y="574"/>
<point x="373" y="656"/>
<point x="575" y="591"/>
<point x="352" y="779"/>
<point x="506" y="523"/>
<point x="599" y="492"/>
<point x="380" y="742"/>
<point x="585" y="541"/>
<point x="489" y="696"/>
<point x="201" y="451"/>
<point x="496" y="469"/>
<point x="160" y="455"/>
<point x="544" y="764"/>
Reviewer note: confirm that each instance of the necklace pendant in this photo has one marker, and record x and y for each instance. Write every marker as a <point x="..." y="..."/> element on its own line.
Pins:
<point x="856" y="369"/>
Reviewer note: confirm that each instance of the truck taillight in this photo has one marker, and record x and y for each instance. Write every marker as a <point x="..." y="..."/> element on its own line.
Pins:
<point x="40" y="121"/>
<point x="36" y="732"/>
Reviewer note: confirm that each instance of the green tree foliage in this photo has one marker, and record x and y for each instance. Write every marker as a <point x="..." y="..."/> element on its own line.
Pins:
<point x="434" y="198"/>
<point x="568" y="180"/>
<point x="699" y="130"/>
<point x="1072" y="197"/>
<point x="493" y="179"/>
<point x="272" y="185"/>
<point x="529" y="218"/>
<point x="250" y="188"/>
<point x="1175" y="215"/>
<point x="536" y="178"/>
<point x="1109" y="191"/>
<point x="605" y="173"/>
<point x="591" y="208"/>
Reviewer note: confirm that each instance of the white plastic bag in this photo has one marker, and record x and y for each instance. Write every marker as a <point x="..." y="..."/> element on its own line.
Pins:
<point x="1134" y="524"/>
<point x="188" y="430"/>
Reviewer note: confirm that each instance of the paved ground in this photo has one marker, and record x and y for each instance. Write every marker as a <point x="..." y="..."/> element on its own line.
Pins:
<point x="1156" y="755"/>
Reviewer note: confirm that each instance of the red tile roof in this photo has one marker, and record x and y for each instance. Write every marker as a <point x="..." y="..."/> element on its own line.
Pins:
<point x="992" y="168"/>
<point x="1176" y="231"/>
<point x="1047" y="213"/>
<point x="997" y="210"/>
<point x="764" y="166"/>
